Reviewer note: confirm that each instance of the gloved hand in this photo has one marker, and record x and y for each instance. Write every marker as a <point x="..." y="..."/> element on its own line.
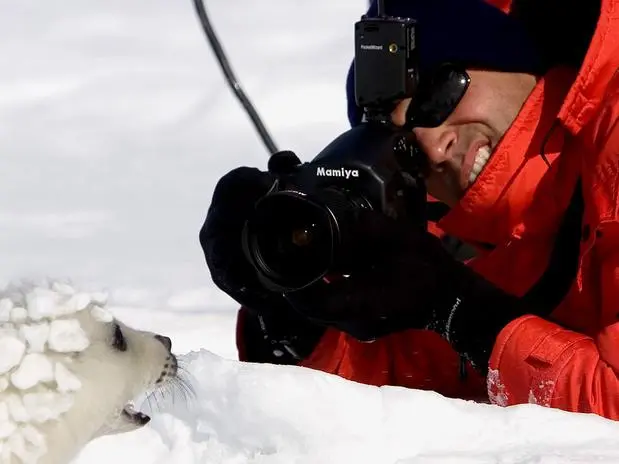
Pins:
<point x="220" y="238"/>
<point x="406" y="279"/>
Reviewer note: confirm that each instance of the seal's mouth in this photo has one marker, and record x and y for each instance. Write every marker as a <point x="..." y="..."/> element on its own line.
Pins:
<point x="136" y="417"/>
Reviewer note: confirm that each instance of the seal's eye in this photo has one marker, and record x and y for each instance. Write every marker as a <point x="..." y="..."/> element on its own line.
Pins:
<point x="118" y="339"/>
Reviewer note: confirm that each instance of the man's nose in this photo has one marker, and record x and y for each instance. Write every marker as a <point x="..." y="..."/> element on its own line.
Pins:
<point x="437" y="143"/>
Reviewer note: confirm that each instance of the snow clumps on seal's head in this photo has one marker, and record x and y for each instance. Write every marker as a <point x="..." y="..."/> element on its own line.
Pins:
<point x="68" y="372"/>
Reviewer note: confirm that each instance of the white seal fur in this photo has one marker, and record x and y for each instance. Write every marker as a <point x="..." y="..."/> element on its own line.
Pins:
<point x="68" y="371"/>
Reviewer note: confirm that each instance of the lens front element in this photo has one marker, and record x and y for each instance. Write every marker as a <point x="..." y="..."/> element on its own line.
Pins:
<point x="291" y="239"/>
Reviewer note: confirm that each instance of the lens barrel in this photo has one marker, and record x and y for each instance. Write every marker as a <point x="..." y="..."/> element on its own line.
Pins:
<point x="294" y="239"/>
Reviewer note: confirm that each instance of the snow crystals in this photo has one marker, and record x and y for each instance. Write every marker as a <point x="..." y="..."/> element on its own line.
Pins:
<point x="11" y="351"/>
<point x="5" y="309"/>
<point x="34" y="368"/>
<point x="65" y="380"/>
<point x="39" y="334"/>
<point x="35" y="335"/>
<point x="67" y="335"/>
<point x="542" y="392"/>
<point x="101" y="314"/>
<point x="496" y="389"/>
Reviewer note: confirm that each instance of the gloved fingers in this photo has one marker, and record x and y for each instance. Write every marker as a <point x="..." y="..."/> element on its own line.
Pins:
<point x="233" y="200"/>
<point x="363" y="308"/>
<point x="283" y="162"/>
<point x="242" y="185"/>
<point x="364" y="296"/>
<point x="375" y="227"/>
<point x="378" y="234"/>
<point x="220" y="236"/>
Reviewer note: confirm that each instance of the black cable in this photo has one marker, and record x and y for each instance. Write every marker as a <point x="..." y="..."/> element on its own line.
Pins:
<point x="230" y="77"/>
<point x="381" y="8"/>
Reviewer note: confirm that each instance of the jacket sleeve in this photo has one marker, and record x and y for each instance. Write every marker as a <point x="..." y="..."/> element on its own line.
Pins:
<point x="538" y="361"/>
<point x="504" y="5"/>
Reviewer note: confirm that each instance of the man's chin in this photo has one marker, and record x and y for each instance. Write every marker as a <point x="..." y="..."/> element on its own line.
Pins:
<point x="449" y="198"/>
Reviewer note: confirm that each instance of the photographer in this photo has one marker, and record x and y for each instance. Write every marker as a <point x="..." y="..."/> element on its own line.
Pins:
<point x="519" y="128"/>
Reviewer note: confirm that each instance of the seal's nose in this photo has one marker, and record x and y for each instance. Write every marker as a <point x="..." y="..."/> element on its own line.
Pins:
<point x="165" y="341"/>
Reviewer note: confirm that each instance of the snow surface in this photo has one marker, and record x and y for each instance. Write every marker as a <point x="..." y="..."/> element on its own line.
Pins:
<point x="115" y="123"/>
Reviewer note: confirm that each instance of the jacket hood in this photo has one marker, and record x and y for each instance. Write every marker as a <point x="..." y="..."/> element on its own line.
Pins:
<point x="583" y="34"/>
<point x="599" y="65"/>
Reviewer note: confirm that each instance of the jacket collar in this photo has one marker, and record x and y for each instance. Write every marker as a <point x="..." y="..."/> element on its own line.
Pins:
<point x="493" y="205"/>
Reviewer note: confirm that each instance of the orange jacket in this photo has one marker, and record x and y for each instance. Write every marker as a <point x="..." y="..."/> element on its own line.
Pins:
<point x="571" y="360"/>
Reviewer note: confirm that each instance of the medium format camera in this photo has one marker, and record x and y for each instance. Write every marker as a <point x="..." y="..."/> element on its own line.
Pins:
<point x="305" y="228"/>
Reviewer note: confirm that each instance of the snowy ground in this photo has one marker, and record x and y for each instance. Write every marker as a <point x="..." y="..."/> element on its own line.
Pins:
<point x="115" y="124"/>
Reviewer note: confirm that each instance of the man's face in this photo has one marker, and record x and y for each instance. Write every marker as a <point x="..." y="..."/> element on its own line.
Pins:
<point x="458" y="149"/>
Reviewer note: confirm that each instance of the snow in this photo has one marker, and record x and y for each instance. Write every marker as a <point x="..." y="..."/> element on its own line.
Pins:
<point x="65" y="380"/>
<point x="67" y="336"/>
<point x="6" y="305"/>
<point x="19" y="416"/>
<point x="12" y="349"/>
<point x="115" y="124"/>
<point x="101" y="314"/>
<point x="249" y="413"/>
<point x="35" y="335"/>
<point x="496" y="389"/>
<point x="34" y="368"/>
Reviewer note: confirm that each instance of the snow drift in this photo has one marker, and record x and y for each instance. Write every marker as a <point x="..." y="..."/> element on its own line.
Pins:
<point x="250" y="413"/>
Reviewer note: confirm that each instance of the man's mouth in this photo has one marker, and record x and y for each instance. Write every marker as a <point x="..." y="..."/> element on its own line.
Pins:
<point x="481" y="158"/>
<point x="134" y="416"/>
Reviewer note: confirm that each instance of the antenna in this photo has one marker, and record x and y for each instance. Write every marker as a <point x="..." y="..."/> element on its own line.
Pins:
<point x="231" y="78"/>
<point x="381" y="8"/>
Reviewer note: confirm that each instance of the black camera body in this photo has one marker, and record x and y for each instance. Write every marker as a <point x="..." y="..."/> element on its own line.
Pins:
<point x="305" y="228"/>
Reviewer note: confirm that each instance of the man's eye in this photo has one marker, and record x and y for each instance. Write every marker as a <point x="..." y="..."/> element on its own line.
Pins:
<point x="118" y="339"/>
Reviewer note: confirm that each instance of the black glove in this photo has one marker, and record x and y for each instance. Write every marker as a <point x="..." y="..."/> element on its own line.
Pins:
<point x="406" y="279"/>
<point x="220" y="238"/>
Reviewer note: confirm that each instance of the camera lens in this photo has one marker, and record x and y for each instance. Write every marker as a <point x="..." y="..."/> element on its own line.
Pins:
<point x="290" y="239"/>
<point x="303" y="237"/>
